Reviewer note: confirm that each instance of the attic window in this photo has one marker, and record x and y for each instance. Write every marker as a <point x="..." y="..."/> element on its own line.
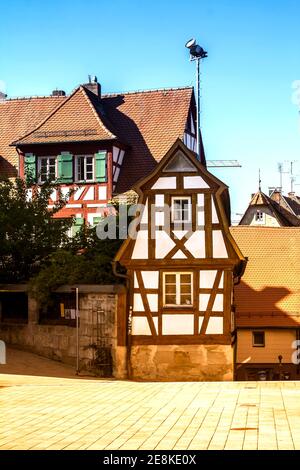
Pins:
<point x="179" y="163"/>
<point x="181" y="210"/>
<point x="258" y="339"/>
<point x="259" y="216"/>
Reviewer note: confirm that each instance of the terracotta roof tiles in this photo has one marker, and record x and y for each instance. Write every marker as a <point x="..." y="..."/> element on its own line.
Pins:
<point x="18" y="117"/>
<point x="269" y="292"/>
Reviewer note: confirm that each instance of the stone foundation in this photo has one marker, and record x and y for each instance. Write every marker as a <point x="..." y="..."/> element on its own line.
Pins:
<point x="182" y="363"/>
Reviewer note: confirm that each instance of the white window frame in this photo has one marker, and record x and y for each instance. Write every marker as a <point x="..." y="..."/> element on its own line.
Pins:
<point x="46" y="157"/>
<point x="178" y="289"/>
<point x="260" y="220"/>
<point x="76" y="168"/>
<point x="181" y="198"/>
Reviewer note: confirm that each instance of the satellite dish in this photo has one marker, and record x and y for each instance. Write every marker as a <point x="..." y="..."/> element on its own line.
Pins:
<point x="190" y="43"/>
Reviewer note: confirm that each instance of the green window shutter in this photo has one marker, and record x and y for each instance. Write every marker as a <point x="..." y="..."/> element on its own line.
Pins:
<point x="78" y="223"/>
<point x="65" y="167"/>
<point x="96" y="221"/>
<point x="30" y="167"/>
<point x="101" y="173"/>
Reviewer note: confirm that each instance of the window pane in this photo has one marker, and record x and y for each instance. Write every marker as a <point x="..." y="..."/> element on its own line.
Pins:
<point x="170" y="299"/>
<point x="185" y="278"/>
<point x="185" y="299"/>
<point x="170" y="278"/>
<point x="80" y="168"/>
<point x="185" y="288"/>
<point x="170" y="288"/>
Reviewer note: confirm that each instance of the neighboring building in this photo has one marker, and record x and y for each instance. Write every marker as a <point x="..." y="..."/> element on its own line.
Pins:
<point x="291" y="202"/>
<point x="268" y="303"/>
<point x="181" y="279"/>
<point x="270" y="211"/>
<point x="99" y="145"/>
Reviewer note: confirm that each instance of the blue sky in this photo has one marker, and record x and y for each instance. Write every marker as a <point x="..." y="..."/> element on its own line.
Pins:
<point x="253" y="60"/>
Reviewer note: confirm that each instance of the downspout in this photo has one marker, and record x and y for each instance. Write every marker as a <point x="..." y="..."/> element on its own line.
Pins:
<point x="128" y="335"/>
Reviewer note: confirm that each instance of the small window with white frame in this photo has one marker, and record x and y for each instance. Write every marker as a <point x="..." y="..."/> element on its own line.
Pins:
<point x="84" y="168"/>
<point x="47" y="169"/>
<point x="178" y="289"/>
<point x="181" y="209"/>
<point x="259" y="217"/>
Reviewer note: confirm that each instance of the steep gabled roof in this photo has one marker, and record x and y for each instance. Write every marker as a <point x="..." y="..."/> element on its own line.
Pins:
<point x="75" y="119"/>
<point x="269" y="293"/>
<point x="150" y="122"/>
<point x="281" y="214"/>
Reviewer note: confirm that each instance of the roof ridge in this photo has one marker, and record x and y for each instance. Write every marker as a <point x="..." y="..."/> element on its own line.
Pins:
<point x="34" y="97"/>
<point x="150" y="90"/>
<point x="47" y="118"/>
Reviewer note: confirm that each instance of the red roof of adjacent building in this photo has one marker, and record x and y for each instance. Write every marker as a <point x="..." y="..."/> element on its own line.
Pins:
<point x="147" y="122"/>
<point x="269" y="292"/>
<point x="17" y="118"/>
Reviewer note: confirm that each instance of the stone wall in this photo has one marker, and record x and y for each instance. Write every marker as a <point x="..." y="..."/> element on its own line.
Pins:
<point x="58" y="342"/>
<point x="181" y="363"/>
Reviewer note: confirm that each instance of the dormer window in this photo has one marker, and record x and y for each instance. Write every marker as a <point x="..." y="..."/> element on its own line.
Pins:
<point x="84" y="168"/>
<point x="181" y="210"/>
<point x="259" y="217"/>
<point x="47" y="169"/>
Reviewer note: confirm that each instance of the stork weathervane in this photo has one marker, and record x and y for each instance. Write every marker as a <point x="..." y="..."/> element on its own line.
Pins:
<point x="197" y="53"/>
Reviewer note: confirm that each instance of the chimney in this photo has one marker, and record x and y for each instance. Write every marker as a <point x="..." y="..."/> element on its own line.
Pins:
<point x="276" y="195"/>
<point x="58" y="93"/>
<point x="93" y="86"/>
<point x="292" y="194"/>
<point x="2" y="96"/>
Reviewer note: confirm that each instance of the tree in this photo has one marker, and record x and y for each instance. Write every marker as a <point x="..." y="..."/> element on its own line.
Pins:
<point x="86" y="260"/>
<point x="29" y="231"/>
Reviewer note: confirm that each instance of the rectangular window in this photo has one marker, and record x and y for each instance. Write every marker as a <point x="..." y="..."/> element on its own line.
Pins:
<point x="47" y="169"/>
<point x="178" y="290"/>
<point x="259" y="216"/>
<point x="258" y="339"/>
<point x="181" y="209"/>
<point x="84" y="168"/>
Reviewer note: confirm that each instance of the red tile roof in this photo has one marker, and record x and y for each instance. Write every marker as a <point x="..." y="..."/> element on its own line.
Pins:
<point x="269" y="292"/>
<point x="75" y="119"/>
<point x="148" y="122"/>
<point x="18" y="117"/>
<point x="283" y="216"/>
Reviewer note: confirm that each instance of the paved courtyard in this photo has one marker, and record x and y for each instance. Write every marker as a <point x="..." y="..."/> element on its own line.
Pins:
<point x="47" y="407"/>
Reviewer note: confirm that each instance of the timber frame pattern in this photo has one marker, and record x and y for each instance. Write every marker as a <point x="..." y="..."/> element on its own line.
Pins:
<point x="205" y="249"/>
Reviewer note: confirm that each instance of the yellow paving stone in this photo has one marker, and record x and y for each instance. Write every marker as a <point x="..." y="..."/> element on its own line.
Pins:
<point x="65" y="412"/>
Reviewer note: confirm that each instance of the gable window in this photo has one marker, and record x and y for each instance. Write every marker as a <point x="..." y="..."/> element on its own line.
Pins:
<point x="84" y="168"/>
<point x="258" y="339"/>
<point x="181" y="209"/>
<point x="177" y="288"/>
<point x="47" y="169"/>
<point x="259" y="216"/>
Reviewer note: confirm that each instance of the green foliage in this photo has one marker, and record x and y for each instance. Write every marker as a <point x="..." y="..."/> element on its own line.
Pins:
<point x="28" y="231"/>
<point x="35" y="246"/>
<point x="86" y="261"/>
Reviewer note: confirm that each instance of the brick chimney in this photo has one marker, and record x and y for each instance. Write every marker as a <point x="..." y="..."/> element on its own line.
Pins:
<point x="276" y="195"/>
<point x="93" y="86"/>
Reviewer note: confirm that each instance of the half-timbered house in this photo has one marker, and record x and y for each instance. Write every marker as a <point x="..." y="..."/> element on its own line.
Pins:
<point x="182" y="263"/>
<point x="97" y="145"/>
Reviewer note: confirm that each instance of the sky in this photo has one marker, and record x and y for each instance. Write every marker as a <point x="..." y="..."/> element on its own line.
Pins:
<point x="249" y="108"/>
